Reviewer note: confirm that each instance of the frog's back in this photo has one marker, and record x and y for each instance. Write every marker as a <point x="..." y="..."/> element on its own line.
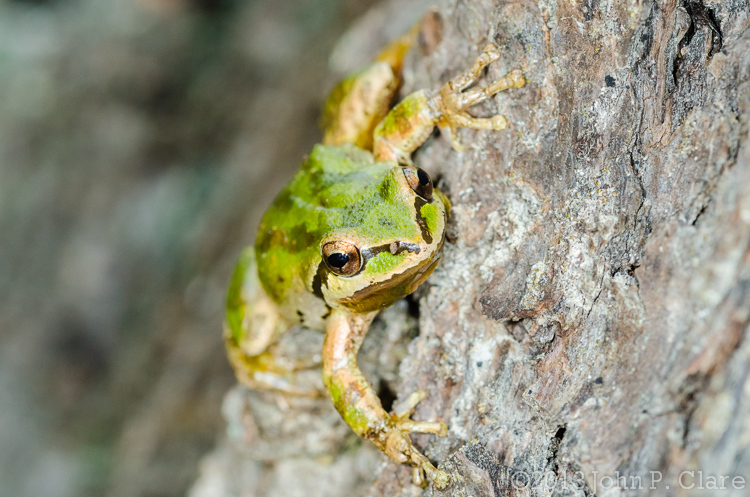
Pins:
<point x="335" y="187"/>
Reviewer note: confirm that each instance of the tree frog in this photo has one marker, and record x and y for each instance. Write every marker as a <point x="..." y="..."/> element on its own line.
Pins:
<point x="358" y="228"/>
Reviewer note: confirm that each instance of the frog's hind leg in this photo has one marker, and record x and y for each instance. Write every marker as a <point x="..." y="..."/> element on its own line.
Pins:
<point x="356" y="105"/>
<point x="361" y="100"/>
<point x="252" y="330"/>
<point x="269" y="371"/>
<point x="395" y="51"/>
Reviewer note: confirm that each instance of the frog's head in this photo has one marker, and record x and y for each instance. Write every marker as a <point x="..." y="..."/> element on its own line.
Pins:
<point x="391" y="249"/>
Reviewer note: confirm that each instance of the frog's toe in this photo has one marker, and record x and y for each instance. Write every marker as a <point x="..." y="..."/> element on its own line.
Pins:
<point x="454" y="98"/>
<point x="516" y="78"/>
<point x="491" y="52"/>
<point x="497" y="122"/>
<point x="403" y="412"/>
<point x="489" y="55"/>
<point x="399" y="448"/>
<point x="422" y="466"/>
<point x="406" y="409"/>
<point x="439" y="477"/>
<point x="450" y="133"/>
<point x="436" y="428"/>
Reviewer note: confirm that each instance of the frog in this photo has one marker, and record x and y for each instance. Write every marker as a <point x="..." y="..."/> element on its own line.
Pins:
<point x="358" y="228"/>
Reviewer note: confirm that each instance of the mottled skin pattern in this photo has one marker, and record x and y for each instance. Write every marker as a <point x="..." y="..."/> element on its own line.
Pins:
<point x="342" y="193"/>
<point x="357" y="228"/>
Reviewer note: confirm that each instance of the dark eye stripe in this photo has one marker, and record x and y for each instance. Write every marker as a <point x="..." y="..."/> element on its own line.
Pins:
<point x="320" y="279"/>
<point x="393" y="247"/>
<point x="426" y="234"/>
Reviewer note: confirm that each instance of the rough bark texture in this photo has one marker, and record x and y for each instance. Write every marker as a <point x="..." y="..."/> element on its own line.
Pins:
<point x="589" y="319"/>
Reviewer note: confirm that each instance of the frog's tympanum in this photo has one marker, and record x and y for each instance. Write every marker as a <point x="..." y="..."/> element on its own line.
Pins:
<point x="358" y="228"/>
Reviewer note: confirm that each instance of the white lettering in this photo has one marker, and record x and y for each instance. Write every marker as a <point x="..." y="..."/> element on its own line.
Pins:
<point x="723" y="480"/>
<point x="710" y="482"/>
<point x="634" y="485"/>
<point x="654" y="481"/>
<point x="621" y="480"/>
<point x="596" y="482"/>
<point x="738" y="482"/>
<point x="682" y="483"/>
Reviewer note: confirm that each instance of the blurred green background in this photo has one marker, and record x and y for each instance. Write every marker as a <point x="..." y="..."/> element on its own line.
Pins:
<point x="139" y="142"/>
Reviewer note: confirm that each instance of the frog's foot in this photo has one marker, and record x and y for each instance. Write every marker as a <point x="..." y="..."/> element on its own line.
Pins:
<point x="399" y="448"/>
<point x="452" y="101"/>
<point x="401" y="417"/>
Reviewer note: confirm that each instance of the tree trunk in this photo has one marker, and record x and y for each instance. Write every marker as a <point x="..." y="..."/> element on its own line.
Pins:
<point x="585" y="332"/>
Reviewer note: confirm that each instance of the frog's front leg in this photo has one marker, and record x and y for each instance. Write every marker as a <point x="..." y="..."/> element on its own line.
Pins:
<point x="409" y="123"/>
<point x="360" y="406"/>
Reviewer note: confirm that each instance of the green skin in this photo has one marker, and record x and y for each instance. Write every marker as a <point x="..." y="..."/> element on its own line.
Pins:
<point x="341" y="193"/>
<point x="362" y="197"/>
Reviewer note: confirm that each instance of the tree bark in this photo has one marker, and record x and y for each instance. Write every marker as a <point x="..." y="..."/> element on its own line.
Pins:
<point x="586" y="331"/>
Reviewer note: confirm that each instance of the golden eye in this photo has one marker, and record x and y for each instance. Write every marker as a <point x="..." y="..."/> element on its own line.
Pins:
<point x="419" y="181"/>
<point x="342" y="258"/>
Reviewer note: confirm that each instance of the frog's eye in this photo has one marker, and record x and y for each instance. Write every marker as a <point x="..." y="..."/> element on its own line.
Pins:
<point x="342" y="258"/>
<point x="419" y="181"/>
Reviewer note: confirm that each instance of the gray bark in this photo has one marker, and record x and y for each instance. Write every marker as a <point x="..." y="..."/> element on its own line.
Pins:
<point x="588" y="320"/>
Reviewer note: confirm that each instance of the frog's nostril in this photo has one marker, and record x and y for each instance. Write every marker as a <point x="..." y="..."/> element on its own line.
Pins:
<point x="398" y="247"/>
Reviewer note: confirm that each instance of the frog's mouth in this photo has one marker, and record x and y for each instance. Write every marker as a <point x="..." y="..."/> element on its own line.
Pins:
<point x="384" y="293"/>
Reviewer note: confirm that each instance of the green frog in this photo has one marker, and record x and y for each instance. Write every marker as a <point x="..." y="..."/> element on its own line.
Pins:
<point x="358" y="228"/>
